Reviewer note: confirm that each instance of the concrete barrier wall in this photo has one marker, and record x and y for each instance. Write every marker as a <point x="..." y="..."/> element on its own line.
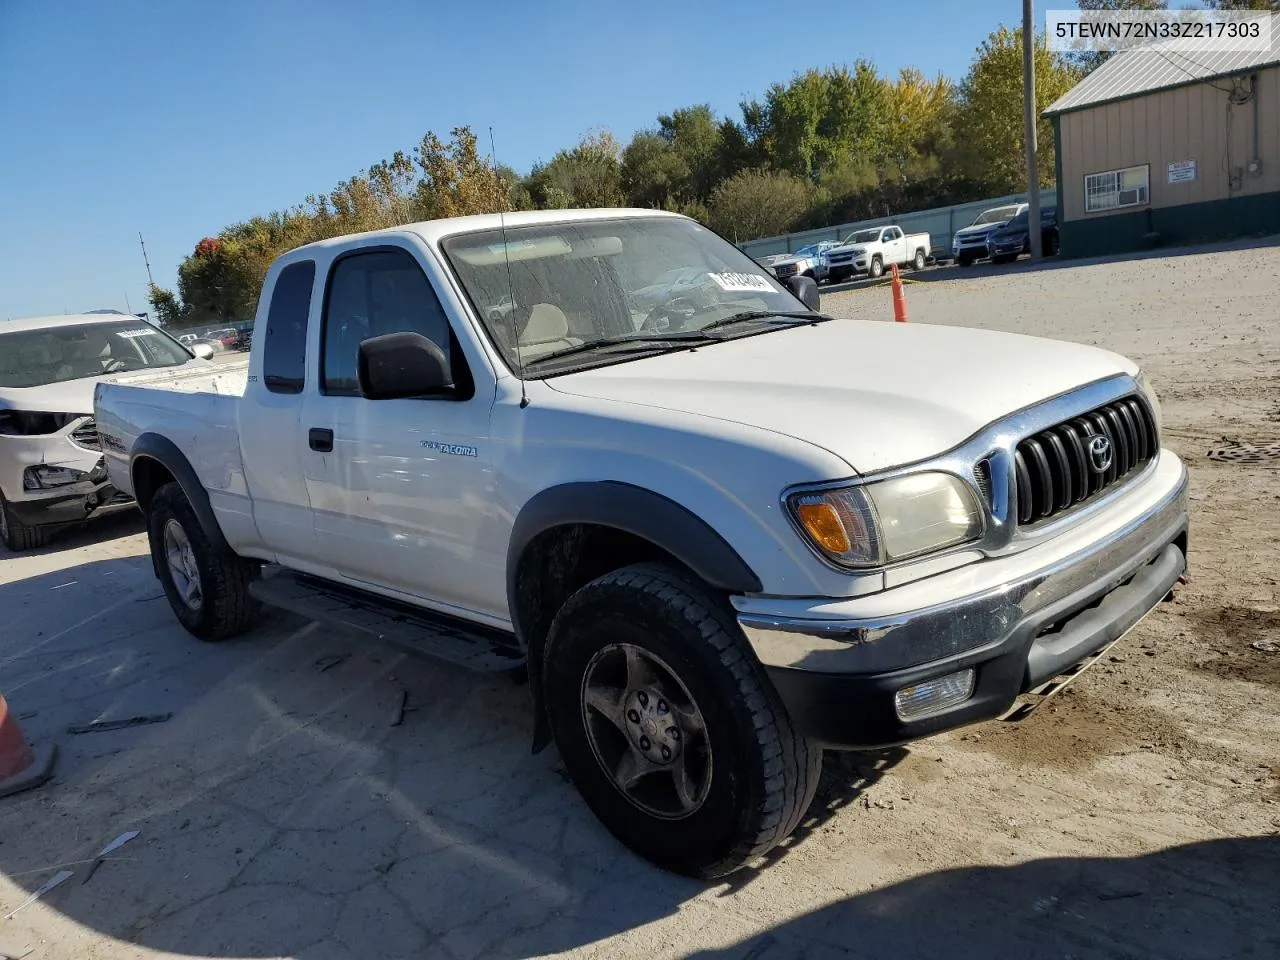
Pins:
<point x="940" y="223"/>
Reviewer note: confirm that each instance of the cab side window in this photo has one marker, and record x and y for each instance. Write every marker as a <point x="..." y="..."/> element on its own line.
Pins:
<point x="284" y="354"/>
<point x="371" y="294"/>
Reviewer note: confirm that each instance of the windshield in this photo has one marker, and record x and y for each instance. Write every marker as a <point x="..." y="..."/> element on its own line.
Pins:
<point x="997" y="215"/>
<point x="1019" y="221"/>
<point x="33" y="358"/>
<point x="813" y="250"/>
<point x="574" y="283"/>
<point x="864" y="236"/>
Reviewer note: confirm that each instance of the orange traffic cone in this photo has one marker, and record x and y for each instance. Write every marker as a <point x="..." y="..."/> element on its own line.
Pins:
<point x="899" y="297"/>
<point x="21" y="766"/>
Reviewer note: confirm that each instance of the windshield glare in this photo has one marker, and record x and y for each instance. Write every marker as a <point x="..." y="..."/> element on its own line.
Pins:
<point x="998" y="215"/>
<point x="560" y="285"/>
<point x="34" y="358"/>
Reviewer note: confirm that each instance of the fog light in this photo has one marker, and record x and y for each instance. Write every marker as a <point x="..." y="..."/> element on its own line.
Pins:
<point x="933" y="696"/>
<point x="45" y="477"/>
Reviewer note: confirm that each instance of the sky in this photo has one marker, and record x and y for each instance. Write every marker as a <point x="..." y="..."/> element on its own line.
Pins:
<point x="174" y="120"/>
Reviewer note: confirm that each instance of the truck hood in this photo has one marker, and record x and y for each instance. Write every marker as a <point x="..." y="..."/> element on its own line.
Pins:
<point x="76" y="396"/>
<point x="789" y="260"/>
<point x="978" y="229"/>
<point x="875" y="394"/>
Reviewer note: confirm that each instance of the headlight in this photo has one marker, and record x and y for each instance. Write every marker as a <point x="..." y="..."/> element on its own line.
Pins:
<point x="24" y="423"/>
<point x="1152" y="401"/>
<point x="891" y="520"/>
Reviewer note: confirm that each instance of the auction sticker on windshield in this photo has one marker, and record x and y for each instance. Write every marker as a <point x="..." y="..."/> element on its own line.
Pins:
<point x="741" y="282"/>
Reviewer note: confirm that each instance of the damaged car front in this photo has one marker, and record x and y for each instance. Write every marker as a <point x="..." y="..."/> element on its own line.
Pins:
<point x="51" y="466"/>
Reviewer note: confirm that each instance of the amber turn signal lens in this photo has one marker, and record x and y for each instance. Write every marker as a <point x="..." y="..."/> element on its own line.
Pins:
<point x="823" y="524"/>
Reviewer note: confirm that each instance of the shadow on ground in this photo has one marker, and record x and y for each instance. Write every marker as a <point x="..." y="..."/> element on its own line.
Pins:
<point x="1214" y="899"/>
<point x="283" y="810"/>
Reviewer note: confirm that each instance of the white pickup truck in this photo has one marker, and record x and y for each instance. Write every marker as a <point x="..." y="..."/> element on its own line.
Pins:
<point x="718" y="534"/>
<point x="873" y="251"/>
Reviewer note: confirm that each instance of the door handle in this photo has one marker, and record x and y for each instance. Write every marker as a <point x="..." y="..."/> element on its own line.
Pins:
<point x="321" y="439"/>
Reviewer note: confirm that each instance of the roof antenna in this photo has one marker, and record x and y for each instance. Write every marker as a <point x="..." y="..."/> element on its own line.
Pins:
<point x="511" y="287"/>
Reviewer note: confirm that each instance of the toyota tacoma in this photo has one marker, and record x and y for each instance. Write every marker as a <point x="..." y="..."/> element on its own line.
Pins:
<point x="719" y="534"/>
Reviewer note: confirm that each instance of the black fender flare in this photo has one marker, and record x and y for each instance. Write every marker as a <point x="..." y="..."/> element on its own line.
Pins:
<point x="632" y="509"/>
<point x="152" y="446"/>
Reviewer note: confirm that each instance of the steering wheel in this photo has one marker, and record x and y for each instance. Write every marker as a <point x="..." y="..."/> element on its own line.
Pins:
<point x="115" y="365"/>
<point x="672" y="316"/>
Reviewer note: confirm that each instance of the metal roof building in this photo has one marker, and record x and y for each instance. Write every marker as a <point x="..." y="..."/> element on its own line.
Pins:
<point x="1168" y="144"/>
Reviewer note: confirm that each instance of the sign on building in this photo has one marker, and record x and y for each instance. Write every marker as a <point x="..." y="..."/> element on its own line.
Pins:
<point x="1182" y="171"/>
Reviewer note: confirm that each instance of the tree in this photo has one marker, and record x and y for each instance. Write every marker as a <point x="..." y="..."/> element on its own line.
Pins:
<point x="165" y="307"/>
<point x="1272" y="5"/>
<point x="990" y="111"/>
<point x="757" y="203"/>
<point x="589" y="175"/>
<point x="653" y="174"/>
<point x="822" y="119"/>
<point x="456" y="181"/>
<point x="918" y="131"/>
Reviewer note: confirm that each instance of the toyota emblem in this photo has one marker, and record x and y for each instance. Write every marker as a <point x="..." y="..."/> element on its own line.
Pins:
<point x="1100" y="454"/>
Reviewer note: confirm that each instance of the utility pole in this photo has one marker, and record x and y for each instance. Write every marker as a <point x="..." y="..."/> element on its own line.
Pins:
<point x="150" y="283"/>
<point x="1029" y="120"/>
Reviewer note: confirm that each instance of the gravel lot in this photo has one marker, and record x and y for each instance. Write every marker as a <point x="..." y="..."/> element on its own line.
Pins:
<point x="282" y="815"/>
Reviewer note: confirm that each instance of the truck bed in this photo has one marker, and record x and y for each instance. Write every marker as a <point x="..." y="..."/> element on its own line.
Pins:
<point x="195" y="409"/>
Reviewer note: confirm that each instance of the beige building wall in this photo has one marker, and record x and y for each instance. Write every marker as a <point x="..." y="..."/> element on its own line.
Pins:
<point x="1185" y="123"/>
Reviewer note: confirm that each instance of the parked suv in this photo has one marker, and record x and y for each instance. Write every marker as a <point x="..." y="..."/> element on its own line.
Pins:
<point x="971" y="242"/>
<point x="51" y="466"/>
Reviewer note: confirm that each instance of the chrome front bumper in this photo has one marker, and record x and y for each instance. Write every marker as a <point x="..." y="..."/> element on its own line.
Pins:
<point x="978" y="606"/>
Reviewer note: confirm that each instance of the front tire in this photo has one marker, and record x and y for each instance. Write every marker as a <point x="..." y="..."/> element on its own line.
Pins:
<point x="877" y="268"/>
<point x="207" y="585"/>
<point x="668" y="725"/>
<point x="19" y="536"/>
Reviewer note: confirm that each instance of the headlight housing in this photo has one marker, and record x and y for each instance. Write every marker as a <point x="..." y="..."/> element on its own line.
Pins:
<point x="890" y="520"/>
<point x="1152" y="401"/>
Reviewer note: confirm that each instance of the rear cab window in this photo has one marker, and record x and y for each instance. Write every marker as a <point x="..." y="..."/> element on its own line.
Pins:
<point x="284" y="353"/>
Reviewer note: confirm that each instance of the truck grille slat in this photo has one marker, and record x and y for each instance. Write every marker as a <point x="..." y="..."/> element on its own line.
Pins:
<point x="1058" y="468"/>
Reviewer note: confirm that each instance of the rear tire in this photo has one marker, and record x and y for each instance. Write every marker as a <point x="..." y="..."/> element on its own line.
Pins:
<point x="19" y="536"/>
<point x="648" y="650"/>
<point x="919" y="260"/>
<point x="206" y="585"/>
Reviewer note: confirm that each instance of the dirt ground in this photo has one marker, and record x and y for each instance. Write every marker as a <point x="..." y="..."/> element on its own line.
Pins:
<point x="282" y="815"/>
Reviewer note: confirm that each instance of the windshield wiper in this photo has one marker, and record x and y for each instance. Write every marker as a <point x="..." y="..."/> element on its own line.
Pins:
<point x="790" y="317"/>
<point x="637" y="340"/>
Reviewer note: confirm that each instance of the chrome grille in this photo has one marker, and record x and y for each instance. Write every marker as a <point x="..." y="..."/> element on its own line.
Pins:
<point x="1063" y="466"/>
<point x="86" y="435"/>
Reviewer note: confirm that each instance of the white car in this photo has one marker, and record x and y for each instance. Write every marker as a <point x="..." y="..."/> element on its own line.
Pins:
<point x="716" y="545"/>
<point x="51" y="467"/>
<point x="810" y="261"/>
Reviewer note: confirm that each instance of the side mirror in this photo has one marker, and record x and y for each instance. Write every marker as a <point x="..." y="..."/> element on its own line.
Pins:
<point x="398" y="365"/>
<point x="202" y="350"/>
<point x="806" y="288"/>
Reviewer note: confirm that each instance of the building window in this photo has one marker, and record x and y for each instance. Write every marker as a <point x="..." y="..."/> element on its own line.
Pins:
<point x="1116" y="189"/>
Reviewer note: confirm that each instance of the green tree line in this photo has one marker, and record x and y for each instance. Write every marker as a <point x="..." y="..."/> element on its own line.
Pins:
<point x="828" y="146"/>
